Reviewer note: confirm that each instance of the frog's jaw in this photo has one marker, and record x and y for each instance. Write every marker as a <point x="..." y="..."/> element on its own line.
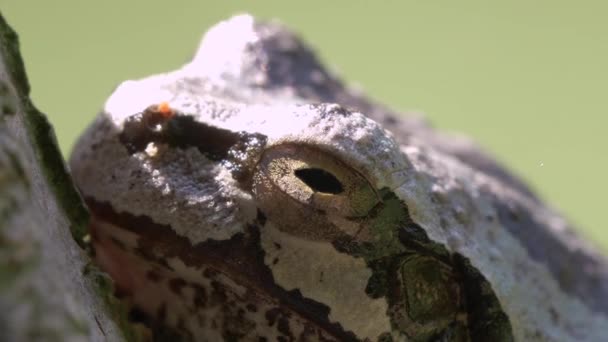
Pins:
<point x="201" y="304"/>
<point x="136" y="281"/>
<point x="203" y="301"/>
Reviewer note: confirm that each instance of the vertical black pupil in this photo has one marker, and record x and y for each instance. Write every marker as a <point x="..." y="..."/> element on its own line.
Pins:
<point x="320" y="180"/>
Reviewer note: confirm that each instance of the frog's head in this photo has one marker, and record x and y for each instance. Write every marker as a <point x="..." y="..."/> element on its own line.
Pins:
<point x="221" y="218"/>
<point x="256" y="215"/>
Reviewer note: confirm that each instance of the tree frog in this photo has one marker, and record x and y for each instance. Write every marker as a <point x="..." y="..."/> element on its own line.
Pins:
<point x="251" y="196"/>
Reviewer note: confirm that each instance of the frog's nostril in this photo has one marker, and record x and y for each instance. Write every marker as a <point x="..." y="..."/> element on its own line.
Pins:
<point x="320" y="180"/>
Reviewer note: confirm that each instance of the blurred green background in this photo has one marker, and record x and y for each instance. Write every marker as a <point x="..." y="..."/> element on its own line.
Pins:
<point x="527" y="79"/>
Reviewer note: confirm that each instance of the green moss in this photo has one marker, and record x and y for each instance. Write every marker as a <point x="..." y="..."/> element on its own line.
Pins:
<point x="119" y="311"/>
<point x="55" y="172"/>
<point x="9" y="47"/>
<point x="384" y="224"/>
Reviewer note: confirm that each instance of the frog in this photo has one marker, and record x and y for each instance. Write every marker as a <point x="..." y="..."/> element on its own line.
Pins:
<point x="251" y="195"/>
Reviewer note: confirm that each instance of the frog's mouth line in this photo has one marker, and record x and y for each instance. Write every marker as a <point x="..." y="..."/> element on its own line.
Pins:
<point x="240" y="258"/>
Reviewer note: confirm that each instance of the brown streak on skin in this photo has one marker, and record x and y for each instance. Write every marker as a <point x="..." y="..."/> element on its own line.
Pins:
<point x="153" y="276"/>
<point x="119" y="244"/>
<point x="177" y="130"/>
<point x="176" y="285"/>
<point x="162" y="312"/>
<point x="182" y="131"/>
<point x="239" y="258"/>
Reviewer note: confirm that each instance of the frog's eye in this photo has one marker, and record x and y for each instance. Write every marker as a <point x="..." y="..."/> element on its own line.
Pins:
<point x="297" y="179"/>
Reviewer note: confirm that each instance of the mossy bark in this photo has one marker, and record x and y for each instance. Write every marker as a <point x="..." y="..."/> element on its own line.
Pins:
<point x="48" y="291"/>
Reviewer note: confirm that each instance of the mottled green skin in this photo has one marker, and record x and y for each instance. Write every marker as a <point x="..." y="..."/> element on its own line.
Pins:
<point x="422" y="282"/>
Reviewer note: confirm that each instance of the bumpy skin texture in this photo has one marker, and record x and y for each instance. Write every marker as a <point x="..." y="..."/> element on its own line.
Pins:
<point x="254" y="208"/>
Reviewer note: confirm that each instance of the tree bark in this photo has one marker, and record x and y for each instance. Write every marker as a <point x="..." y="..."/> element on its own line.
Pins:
<point x="48" y="290"/>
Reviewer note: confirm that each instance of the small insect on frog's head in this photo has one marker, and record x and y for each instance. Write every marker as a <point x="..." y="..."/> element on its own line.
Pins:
<point x="216" y="219"/>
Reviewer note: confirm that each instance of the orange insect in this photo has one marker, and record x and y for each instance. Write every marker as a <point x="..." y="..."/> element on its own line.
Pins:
<point x="165" y="110"/>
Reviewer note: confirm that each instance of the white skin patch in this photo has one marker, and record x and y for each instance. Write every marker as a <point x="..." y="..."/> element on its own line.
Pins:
<point x="329" y="277"/>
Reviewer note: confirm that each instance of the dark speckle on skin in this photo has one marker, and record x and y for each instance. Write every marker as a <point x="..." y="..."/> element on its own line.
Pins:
<point x="554" y="315"/>
<point x="176" y="285"/>
<point x="162" y="312"/>
<point x="386" y="337"/>
<point x="153" y="276"/>
<point x="333" y="110"/>
<point x="271" y="316"/>
<point x="200" y="295"/>
<point x="284" y="327"/>
<point x="210" y="273"/>
<point x="119" y="244"/>
<point x="219" y="294"/>
<point x="444" y="223"/>
<point x="181" y="324"/>
<point x="136" y="315"/>
<point x="261" y="218"/>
